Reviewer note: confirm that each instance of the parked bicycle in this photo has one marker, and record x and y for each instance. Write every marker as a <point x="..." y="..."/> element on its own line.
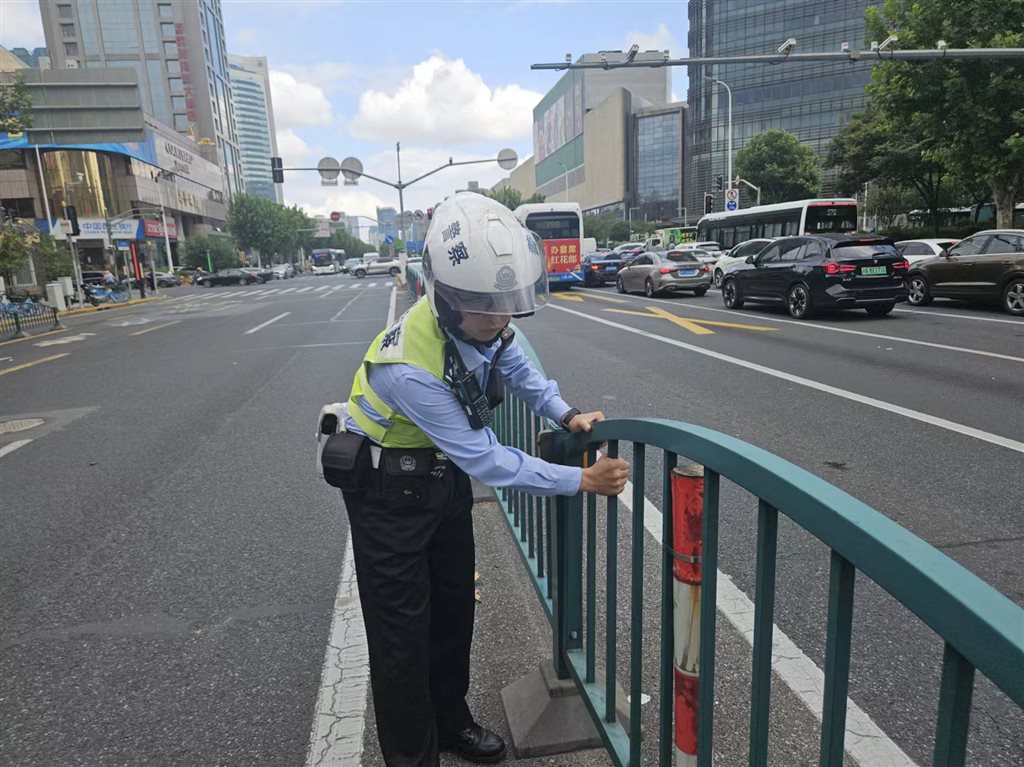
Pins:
<point x="26" y="308"/>
<point x="98" y="294"/>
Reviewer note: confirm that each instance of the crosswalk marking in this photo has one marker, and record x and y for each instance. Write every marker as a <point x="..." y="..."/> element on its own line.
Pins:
<point x="322" y="288"/>
<point x="372" y="285"/>
<point x="303" y="290"/>
<point x="288" y="290"/>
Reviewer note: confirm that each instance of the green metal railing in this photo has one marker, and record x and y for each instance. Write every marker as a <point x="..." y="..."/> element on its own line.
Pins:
<point x="16" y="324"/>
<point x="982" y="629"/>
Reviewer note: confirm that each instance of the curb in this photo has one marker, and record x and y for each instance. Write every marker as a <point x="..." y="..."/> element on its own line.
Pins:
<point x="105" y="307"/>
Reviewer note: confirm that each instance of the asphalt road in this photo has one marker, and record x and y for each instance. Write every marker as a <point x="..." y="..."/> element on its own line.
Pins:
<point x="169" y="569"/>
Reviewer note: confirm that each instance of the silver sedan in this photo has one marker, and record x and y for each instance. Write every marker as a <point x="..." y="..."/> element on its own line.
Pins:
<point x="664" y="271"/>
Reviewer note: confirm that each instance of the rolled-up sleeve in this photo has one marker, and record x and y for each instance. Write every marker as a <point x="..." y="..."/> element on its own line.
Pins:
<point x="540" y="394"/>
<point x="429" y="404"/>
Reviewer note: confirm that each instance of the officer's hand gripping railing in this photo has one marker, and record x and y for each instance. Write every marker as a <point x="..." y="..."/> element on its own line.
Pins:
<point x="981" y="628"/>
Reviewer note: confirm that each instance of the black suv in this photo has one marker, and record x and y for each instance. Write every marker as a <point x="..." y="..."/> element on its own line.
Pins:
<point x="987" y="266"/>
<point x="808" y="274"/>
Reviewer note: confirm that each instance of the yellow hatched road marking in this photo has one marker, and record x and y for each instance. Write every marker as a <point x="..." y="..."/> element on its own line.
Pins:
<point x="155" y="327"/>
<point x="607" y="298"/>
<point x="51" y="358"/>
<point x="568" y="297"/>
<point x="695" y="326"/>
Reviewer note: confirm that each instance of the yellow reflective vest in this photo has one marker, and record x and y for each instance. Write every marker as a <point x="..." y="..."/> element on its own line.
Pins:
<point x="414" y="339"/>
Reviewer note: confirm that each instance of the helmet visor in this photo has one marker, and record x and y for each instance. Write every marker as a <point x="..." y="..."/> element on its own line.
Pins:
<point x="510" y="294"/>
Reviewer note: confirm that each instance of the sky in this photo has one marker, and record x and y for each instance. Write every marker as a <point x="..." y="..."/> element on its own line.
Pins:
<point x="446" y="79"/>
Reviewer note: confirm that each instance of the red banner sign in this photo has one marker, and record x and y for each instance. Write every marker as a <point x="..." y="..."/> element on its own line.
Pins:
<point x="562" y="255"/>
<point x="155" y="229"/>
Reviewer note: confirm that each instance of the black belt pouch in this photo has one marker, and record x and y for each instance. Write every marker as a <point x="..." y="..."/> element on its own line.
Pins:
<point x="346" y="461"/>
<point x="404" y="473"/>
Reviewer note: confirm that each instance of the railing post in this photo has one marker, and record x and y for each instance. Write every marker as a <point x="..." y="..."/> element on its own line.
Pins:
<point x="567" y="573"/>
<point x="56" y="319"/>
<point x="19" y="331"/>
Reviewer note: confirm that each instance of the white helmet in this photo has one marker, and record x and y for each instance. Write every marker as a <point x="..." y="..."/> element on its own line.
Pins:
<point x="478" y="258"/>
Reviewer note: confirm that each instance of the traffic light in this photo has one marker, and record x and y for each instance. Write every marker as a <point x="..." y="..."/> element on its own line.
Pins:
<point x="72" y="217"/>
<point x="709" y="203"/>
<point x="277" y="169"/>
<point x="430" y="213"/>
<point x="719" y="183"/>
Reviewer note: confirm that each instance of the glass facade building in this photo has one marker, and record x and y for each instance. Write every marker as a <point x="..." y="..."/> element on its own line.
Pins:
<point x="659" y="164"/>
<point x="254" y="115"/>
<point x="810" y="100"/>
<point x="175" y="47"/>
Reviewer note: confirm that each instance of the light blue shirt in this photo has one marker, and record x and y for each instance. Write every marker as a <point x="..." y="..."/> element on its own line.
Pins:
<point x="434" y="408"/>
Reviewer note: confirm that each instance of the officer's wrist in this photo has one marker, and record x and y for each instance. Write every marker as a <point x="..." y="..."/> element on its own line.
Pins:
<point x="567" y="417"/>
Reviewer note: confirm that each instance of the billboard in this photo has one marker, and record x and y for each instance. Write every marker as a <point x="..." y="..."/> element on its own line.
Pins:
<point x="559" y="117"/>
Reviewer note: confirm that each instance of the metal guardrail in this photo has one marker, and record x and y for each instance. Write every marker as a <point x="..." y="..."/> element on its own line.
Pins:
<point x="982" y="629"/>
<point x="15" y="323"/>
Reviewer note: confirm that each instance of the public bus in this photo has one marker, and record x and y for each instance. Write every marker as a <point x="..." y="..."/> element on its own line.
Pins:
<point x="825" y="216"/>
<point x="560" y="227"/>
<point x="327" y="260"/>
<point x="666" y="239"/>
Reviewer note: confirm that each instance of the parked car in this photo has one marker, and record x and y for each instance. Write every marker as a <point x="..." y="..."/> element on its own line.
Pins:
<point x="163" y="280"/>
<point x="986" y="266"/>
<point x="628" y="247"/>
<point x="228" y="277"/>
<point x="738" y="255"/>
<point x="807" y="274"/>
<point x="92" y="278"/>
<point x="663" y="271"/>
<point x="709" y="245"/>
<point x="919" y="250"/>
<point x="350" y="264"/>
<point x="600" y="268"/>
<point x="283" y="271"/>
<point x="380" y="266"/>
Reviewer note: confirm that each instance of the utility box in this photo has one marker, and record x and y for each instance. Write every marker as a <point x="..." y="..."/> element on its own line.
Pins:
<point x="55" y="295"/>
<point x="68" y="284"/>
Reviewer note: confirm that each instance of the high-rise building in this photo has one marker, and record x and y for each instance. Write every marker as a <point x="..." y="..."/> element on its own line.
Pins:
<point x="810" y="100"/>
<point x="37" y="58"/>
<point x="254" y="119"/>
<point x="176" y="48"/>
<point x="387" y="222"/>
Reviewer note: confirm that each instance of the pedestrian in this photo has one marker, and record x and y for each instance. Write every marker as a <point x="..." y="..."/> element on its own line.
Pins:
<point x="417" y="430"/>
<point x="108" y="276"/>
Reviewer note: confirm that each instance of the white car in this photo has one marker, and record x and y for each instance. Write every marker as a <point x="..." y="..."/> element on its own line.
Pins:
<point x="708" y="245"/>
<point x="385" y="265"/>
<point x="738" y="255"/>
<point x="283" y="271"/>
<point x="918" y="250"/>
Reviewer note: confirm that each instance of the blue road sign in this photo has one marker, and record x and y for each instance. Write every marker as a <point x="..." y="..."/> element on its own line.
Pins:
<point x="731" y="205"/>
<point x="389" y="240"/>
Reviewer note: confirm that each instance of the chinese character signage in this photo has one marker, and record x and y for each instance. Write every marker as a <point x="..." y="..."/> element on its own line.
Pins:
<point x="562" y="255"/>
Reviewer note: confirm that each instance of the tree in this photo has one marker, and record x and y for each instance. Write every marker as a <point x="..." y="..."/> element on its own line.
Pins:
<point x="512" y="198"/>
<point x="784" y="168"/>
<point x="967" y="115"/>
<point x="15" y="106"/>
<point x="273" y="230"/>
<point x="605" y="228"/>
<point x="222" y="250"/>
<point x="885" y="202"/>
<point x="14" y="252"/>
<point x="52" y="259"/>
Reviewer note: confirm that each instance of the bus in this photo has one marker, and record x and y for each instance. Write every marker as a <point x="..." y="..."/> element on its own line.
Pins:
<point x="327" y="260"/>
<point x="666" y="239"/>
<point x="560" y="227"/>
<point x="825" y="216"/>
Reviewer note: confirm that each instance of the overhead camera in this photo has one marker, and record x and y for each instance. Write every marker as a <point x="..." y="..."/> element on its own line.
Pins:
<point x="633" y="51"/>
<point x="787" y="47"/>
<point x="568" y="58"/>
<point x="942" y="45"/>
<point x="889" y="43"/>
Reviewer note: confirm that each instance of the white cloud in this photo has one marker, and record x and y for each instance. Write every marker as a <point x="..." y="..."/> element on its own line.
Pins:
<point x="21" y="25"/>
<point x="298" y="103"/>
<point x="245" y="36"/>
<point x="443" y="101"/>
<point x="330" y="76"/>
<point x="292" y="149"/>
<point x="661" y="40"/>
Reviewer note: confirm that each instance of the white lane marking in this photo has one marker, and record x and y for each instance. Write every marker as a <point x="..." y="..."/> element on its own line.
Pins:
<point x="391" y="306"/>
<point x="332" y="290"/>
<point x="65" y="340"/>
<point x="322" y="288"/>
<point x="268" y="322"/>
<point x="372" y="285"/>
<point x="191" y="297"/>
<point x="865" y="741"/>
<point x="10" y="448"/>
<point x="346" y="306"/>
<point x="888" y="407"/>
<point x="848" y="331"/>
<point x="336" y="738"/>
<point x="268" y="292"/>
<point x="288" y="290"/>
<point x="303" y="290"/>
<point x="926" y="312"/>
<point x="355" y="285"/>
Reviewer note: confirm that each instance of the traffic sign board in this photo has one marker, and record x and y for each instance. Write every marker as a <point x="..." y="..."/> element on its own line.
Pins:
<point x="335" y="216"/>
<point x="732" y="194"/>
<point x="731" y="205"/>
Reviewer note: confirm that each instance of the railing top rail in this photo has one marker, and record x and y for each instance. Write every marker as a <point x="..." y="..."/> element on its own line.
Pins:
<point x="984" y="626"/>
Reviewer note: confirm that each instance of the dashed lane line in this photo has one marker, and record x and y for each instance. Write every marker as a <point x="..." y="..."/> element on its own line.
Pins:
<point x="155" y="327"/>
<point x="888" y="407"/>
<point x="262" y="325"/>
<point x="11" y="447"/>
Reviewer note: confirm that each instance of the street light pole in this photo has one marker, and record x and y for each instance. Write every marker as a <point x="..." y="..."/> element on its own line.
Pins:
<point x="728" y="150"/>
<point x="401" y="209"/>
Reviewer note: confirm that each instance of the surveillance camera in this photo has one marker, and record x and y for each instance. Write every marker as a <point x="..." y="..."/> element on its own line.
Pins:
<point x="942" y="45"/>
<point x="844" y="47"/>
<point x="633" y="51"/>
<point x="889" y="42"/>
<point x="874" y="45"/>
<point x="568" y="58"/>
<point x="787" y="47"/>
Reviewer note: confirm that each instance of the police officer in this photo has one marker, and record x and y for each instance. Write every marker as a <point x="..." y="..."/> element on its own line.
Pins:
<point x="422" y="398"/>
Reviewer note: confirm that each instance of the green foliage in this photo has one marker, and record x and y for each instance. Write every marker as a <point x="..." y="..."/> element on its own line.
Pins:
<point x="222" y="250"/>
<point x="965" y="116"/>
<point x="15" y="106"/>
<point x="14" y="252"/>
<point x="605" y="228"/>
<point x="276" y="231"/>
<point x="512" y="198"/>
<point x="52" y="259"/>
<point x="342" y="240"/>
<point x="886" y="202"/>
<point x="784" y="168"/>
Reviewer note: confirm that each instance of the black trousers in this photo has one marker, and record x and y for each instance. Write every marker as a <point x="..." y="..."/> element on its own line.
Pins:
<point x="414" y="566"/>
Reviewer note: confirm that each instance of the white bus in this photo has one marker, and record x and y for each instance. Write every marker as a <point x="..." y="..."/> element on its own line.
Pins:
<point x="825" y="216"/>
<point x="327" y="260"/>
<point x="560" y="226"/>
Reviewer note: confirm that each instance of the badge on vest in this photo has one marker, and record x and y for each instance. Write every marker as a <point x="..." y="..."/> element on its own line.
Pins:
<point x="407" y="463"/>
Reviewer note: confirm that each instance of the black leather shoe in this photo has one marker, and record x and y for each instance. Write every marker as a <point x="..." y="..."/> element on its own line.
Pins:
<point x="476" y="744"/>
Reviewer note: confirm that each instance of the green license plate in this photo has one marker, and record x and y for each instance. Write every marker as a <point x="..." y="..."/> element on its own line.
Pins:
<point x="874" y="270"/>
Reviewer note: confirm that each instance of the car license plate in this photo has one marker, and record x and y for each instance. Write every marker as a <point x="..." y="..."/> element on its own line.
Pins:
<point x="874" y="270"/>
<point x="687" y="272"/>
<point x="609" y="268"/>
